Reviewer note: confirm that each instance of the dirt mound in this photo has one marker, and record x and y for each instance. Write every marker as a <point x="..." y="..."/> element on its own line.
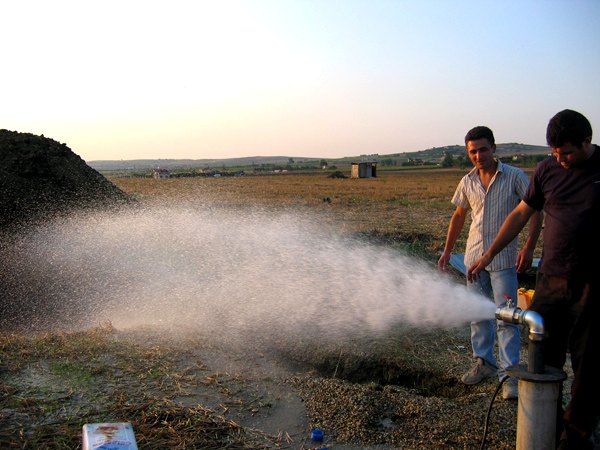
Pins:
<point x="41" y="177"/>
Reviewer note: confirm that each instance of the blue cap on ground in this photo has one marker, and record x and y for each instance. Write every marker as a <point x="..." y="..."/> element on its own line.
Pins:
<point x="316" y="435"/>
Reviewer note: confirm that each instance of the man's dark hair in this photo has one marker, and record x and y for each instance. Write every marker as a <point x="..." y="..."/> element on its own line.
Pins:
<point x="480" y="132"/>
<point x="570" y="127"/>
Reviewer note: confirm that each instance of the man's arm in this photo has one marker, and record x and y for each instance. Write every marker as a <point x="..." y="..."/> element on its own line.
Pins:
<point x="454" y="228"/>
<point x="525" y="256"/>
<point x="510" y="229"/>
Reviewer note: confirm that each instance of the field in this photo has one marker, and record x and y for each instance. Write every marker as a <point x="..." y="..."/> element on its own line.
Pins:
<point x="401" y="205"/>
<point x="184" y="390"/>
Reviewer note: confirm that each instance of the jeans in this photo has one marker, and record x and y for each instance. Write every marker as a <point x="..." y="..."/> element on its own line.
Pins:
<point x="496" y="285"/>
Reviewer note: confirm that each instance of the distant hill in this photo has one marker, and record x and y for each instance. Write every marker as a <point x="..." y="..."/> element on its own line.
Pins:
<point x="144" y="164"/>
<point x="514" y="148"/>
<point x="508" y="149"/>
<point x="431" y="155"/>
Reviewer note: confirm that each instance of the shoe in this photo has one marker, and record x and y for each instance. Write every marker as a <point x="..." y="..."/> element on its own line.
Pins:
<point x="510" y="390"/>
<point x="479" y="372"/>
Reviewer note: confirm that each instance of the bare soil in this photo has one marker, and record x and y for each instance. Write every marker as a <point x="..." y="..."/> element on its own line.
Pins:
<point x="179" y="391"/>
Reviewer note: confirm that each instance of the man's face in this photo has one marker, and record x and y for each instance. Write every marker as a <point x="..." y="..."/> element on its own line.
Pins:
<point x="481" y="153"/>
<point x="569" y="155"/>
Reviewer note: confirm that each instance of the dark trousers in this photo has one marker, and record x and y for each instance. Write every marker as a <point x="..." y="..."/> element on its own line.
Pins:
<point x="570" y="309"/>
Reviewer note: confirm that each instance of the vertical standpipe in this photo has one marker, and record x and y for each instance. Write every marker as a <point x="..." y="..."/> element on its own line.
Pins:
<point x="539" y="385"/>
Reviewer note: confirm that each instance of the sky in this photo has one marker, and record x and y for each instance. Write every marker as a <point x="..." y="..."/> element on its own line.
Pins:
<point x="199" y="79"/>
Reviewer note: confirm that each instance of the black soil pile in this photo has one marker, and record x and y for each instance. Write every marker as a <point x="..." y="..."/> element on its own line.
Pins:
<point x="40" y="178"/>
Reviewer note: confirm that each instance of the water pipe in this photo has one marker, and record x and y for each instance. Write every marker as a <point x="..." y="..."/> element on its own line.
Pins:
<point x="539" y="385"/>
<point x="535" y="323"/>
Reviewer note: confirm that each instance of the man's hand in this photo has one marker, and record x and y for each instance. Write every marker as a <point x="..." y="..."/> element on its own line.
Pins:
<point x="444" y="260"/>
<point x="479" y="265"/>
<point x="524" y="260"/>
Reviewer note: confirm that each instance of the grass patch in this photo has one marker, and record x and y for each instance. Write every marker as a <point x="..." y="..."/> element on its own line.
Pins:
<point x="55" y="383"/>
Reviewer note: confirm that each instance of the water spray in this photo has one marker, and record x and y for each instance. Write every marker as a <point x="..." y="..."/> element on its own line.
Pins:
<point x="539" y="385"/>
<point x="234" y="275"/>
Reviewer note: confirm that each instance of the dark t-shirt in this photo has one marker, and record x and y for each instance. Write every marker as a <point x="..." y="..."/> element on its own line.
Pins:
<point x="570" y="199"/>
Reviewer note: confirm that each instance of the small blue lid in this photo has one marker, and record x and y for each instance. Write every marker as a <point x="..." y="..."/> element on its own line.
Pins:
<point x="316" y="435"/>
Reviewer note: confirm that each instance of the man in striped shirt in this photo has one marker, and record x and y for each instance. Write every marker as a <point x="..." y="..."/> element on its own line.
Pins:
<point x="491" y="190"/>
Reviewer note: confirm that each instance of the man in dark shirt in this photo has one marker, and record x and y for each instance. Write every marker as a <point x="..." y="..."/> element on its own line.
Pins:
<point x="567" y="188"/>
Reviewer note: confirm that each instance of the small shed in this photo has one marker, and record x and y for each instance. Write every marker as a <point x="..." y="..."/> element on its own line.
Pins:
<point x="367" y="169"/>
<point x="161" y="173"/>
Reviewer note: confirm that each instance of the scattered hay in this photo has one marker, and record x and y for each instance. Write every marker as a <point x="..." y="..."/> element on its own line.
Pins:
<point x="56" y="382"/>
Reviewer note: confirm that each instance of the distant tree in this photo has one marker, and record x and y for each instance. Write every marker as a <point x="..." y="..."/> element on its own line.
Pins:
<point x="461" y="161"/>
<point x="448" y="160"/>
<point x="323" y="163"/>
<point x="291" y="161"/>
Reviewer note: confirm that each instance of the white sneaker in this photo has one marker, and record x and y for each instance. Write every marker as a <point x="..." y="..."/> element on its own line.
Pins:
<point x="479" y="372"/>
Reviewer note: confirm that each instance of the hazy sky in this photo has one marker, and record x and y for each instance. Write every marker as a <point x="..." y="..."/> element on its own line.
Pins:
<point x="198" y="79"/>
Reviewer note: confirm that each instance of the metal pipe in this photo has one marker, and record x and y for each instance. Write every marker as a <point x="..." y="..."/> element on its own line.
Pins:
<point x="533" y="320"/>
<point x="539" y="386"/>
<point x="535" y="323"/>
<point x="535" y="360"/>
<point x="536" y="415"/>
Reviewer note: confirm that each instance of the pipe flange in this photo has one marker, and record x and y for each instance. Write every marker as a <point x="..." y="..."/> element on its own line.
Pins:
<point x="550" y="374"/>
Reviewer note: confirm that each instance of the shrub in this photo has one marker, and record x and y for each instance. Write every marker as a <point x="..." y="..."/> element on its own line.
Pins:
<point x="337" y="174"/>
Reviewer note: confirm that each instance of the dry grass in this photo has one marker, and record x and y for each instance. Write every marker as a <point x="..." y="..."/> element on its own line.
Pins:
<point x="411" y="206"/>
<point x="396" y="204"/>
<point x="69" y="379"/>
<point x="390" y="188"/>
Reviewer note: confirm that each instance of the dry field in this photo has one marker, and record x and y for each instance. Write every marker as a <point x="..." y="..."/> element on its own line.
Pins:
<point x="396" y="204"/>
<point x="410" y="206"/>
<point x="183" y="391"/>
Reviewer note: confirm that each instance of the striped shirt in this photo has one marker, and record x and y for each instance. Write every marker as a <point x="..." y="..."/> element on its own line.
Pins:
<point x="488" y="211"/>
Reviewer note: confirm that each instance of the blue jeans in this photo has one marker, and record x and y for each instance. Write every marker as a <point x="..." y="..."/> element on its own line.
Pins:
<point x="496" y="285"/>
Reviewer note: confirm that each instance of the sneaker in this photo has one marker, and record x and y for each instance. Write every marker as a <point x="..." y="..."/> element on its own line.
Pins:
<point x="479" y="372"/>
<point x="510" y="390"/>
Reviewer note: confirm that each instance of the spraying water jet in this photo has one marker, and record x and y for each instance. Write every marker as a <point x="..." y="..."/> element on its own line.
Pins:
<point x="263" y="275"/>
